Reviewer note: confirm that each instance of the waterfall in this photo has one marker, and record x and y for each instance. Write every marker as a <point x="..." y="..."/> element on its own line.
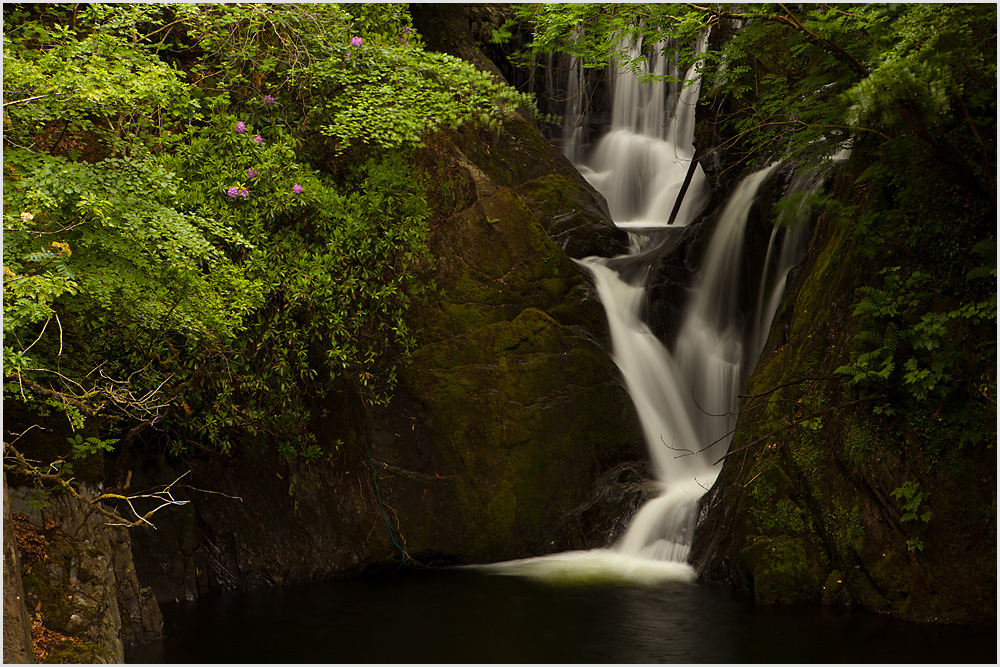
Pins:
<point x="686" y="399"/>
<point x="787" y="245"/>
<point x="574" y="128"/>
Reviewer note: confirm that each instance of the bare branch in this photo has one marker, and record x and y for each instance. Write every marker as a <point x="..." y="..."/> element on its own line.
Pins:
<point x="39" y="97"/>
<point x="164" y="497"/>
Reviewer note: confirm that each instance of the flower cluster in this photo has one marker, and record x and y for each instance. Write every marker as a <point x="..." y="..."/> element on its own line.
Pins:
<point x="297" y="189"/>
<point x="357" y="41"/>
<point x="240" y="127"/>
<point x="234" y="191"/>
<point x="406" y="36"/>
<point x="268" y="100"/>
<point x="259" y="139"/>
<point x="252" y="173"/>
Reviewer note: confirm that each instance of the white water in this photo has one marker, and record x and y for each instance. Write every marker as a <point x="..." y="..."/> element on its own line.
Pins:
<point x="686" y="400"/>
<point x="640" y="165"/>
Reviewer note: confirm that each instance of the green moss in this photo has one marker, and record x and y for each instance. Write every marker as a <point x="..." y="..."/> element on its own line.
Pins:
<point x="524" y="409"/>
<point x="79" y="653"/>
<point x="784" y="515"/>
<point x="52" y="596"/>
<point x="782" y="569"/>
<point x="859" y="444"/>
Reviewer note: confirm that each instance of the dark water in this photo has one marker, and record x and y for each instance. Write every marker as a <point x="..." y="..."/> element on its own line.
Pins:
<point x="461" y="616"/>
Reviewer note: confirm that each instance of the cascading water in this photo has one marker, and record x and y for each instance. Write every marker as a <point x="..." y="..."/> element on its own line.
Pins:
<point x="640" y="165"/>
<point x="686" y="399"/>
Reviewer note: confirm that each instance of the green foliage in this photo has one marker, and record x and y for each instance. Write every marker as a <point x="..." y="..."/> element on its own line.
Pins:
<point x="86" y="447"/>
<point x="927" y="346"/>
<point x="79" y="71"/>
<point x="393" y="96"/>
<point x="336" y="263"/>
<point x="913" y="499"/>
<point x="209" y="219"/>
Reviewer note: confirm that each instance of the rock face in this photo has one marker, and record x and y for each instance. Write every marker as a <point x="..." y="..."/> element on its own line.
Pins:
<point x="85" y="602"/>
<point x="17" y="644"/>
<point x="501" y="428"/>
<point x="808" y="508"/>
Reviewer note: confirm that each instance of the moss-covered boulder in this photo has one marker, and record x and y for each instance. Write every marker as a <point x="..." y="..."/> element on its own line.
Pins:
<point x="511" y="407"/>
<point x="520" y="418"/>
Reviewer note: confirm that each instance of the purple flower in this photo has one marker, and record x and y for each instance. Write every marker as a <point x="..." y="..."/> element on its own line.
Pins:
<point x="234" y="192"/>
<point x="268" y="100"/>
<point x="356" y="41"/>
<point x="252" y="173"/>
<point x="297" y="189"/>
<point x="348" y="54"/>
<point x="240" y="127"/>
<point x="406" y="30"/>
<point x="259" y="139"/>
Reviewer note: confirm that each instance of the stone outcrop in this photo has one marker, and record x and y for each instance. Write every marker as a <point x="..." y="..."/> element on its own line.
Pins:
<point x="806" y="510"/>
<point x="80" y="591"/>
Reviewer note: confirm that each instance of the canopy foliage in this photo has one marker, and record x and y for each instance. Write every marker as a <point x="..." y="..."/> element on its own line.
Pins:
<point x="209" y="221"/>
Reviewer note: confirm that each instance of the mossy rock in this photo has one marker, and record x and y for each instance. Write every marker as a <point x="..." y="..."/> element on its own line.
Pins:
<point x="783" y="570"/>
<point x="574" y="215"/>
<point x="493" y="260"/>
<point x="813" y="472"/>
<point x="80" y="654"/>
<point x="521" y="416"/>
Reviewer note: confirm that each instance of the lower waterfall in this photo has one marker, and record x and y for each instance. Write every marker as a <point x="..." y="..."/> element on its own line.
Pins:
<point x="686" y="399"/>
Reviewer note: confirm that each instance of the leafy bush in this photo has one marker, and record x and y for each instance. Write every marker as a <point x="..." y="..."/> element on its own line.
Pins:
<point x="209" y="218"/>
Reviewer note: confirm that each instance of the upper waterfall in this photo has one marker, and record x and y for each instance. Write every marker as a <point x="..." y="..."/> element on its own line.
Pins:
<point x="640" y="164"/>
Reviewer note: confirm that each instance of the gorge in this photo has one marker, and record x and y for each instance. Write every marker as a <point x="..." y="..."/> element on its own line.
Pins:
<point x="783" y="387"/>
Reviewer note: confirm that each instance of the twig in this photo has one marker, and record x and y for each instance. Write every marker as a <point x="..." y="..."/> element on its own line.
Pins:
<point x="39" y="97"/>
<point x="789" y="384"/>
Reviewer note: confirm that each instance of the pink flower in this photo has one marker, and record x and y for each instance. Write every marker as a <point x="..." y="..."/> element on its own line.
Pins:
<point x="356" y="41"/>
<point x="297" y="189"/>
<point x="240" y="127"/>
<point x="268" y="100"/>
<point x="259" y="139"/>
<point x="252" y="173"/>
